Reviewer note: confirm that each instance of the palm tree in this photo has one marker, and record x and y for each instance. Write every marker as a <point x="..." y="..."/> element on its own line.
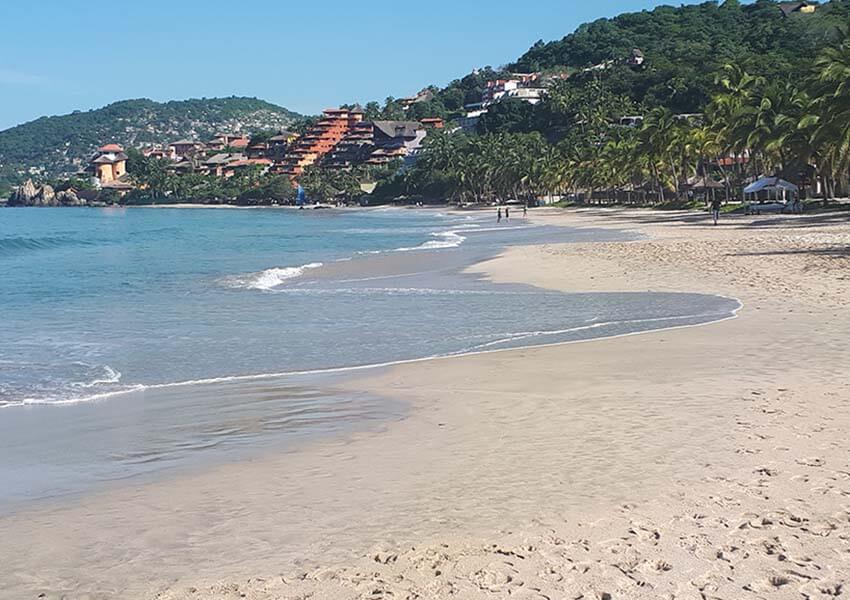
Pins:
<point x="831" y="120"/>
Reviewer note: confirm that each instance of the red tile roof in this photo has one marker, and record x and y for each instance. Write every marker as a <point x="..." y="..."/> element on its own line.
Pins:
<point x="110" y="148"/>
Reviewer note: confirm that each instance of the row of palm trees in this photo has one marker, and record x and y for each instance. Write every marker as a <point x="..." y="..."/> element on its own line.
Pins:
<point x="752" y="127"/>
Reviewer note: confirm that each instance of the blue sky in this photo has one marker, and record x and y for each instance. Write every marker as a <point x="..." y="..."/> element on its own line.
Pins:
<point x="57" y="56"/>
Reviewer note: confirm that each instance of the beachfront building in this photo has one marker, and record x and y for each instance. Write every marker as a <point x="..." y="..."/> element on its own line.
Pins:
<point x="262" y="165"/>
<point x="108" y="164"/>
<point x="319" y="140"/>
<point x="353" y="149"/>
<point x="278" y="145"/>
<point x="217" y="163"/>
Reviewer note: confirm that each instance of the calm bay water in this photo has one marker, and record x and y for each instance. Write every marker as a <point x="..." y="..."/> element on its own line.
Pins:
<point x="132" y="340"/>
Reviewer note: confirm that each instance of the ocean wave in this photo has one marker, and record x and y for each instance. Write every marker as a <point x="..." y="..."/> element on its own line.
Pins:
<point x="486" y="348"/>
<point x="109" y="376"/>
<point x="17" y="244"/>
<point x="449" y="239"/>
<point x="92" y="382"/>
<point x="394" y="291"/>
<point x="268" y="279"/>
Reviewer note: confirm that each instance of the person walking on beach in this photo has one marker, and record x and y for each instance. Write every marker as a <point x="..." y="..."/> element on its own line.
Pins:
<point x="507" y="213"/>
<point x="715" y="209"/>
<point x="499" y="215"/>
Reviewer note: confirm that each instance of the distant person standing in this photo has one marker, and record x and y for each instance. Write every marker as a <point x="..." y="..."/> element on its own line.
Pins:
<point x="524" y="211"/>
<point x="507" y="213"/>
<point x="499" y="215"/>
<point x="715" y="209"/>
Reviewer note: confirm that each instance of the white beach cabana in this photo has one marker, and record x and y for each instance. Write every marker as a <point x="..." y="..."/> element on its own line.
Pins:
<point x="778" y="187"/>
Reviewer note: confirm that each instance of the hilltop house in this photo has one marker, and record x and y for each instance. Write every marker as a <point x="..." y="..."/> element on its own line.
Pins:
<point x="789" y="8"/>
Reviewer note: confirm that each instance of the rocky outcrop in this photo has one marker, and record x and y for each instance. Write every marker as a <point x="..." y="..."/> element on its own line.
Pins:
<point x="29" y="194"/>
<point x="69" y="198"/>
<point x="23" y="195"/>
<point x="46" y="196"/>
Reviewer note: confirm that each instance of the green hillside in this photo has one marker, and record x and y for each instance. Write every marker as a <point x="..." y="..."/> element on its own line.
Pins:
<point x="684" y="48"/>
<point x="686" y="45"/>
<point x="61" y="144"/>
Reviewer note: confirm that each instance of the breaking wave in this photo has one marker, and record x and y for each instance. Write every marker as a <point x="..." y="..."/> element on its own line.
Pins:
<point x="447" y="239"/>
<point x="268" y="279"/>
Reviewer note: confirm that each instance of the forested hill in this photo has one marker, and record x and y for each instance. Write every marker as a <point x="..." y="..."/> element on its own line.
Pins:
<point x="61" y="144"/>
<point x="685" y="45"/>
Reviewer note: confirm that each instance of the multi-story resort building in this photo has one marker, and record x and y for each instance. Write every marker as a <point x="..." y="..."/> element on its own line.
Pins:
<point x="320" y="139"/>
<point x="355" y="148"/>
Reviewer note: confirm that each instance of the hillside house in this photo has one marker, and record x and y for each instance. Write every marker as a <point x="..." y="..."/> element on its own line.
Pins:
<point x="790" y="8"/>
<point x="425" y="95"/>
<point x="433" y="122"/>
<point x="108" y="164"/>
<point x="181" y="148"/>
<point x="636" y="59"/>
<point x="524" y="86"/>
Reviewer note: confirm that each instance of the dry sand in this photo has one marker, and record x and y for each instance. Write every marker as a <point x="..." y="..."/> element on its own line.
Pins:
<point x="706" y="462"/>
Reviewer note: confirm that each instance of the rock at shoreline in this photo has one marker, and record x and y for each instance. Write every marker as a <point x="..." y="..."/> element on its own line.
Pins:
<point x="46" y="196"/>
<point x="69" y="198"/>
<point x="29" y="194"/>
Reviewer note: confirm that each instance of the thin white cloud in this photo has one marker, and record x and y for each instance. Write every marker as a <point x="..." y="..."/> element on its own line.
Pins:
<point x="15" y="77"/>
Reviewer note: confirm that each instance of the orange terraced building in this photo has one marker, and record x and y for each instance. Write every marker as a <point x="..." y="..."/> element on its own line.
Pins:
<point x="320" y="139"/>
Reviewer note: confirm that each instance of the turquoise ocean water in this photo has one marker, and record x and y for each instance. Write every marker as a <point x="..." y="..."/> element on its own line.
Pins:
<point x="137" y="340"/>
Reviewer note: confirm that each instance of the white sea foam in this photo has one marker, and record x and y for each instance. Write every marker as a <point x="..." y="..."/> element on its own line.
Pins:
<point x="110" y="376"/>
<point x="488" y="348"/>
<point x="270" y="278"/>
<point x="448" y="239"/>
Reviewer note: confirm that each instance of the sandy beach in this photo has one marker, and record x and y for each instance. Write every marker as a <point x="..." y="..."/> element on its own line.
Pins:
<point x="697" y="463"/>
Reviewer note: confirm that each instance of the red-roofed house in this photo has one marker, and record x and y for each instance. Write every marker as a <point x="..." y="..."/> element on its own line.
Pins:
<point x="108" y="164"/>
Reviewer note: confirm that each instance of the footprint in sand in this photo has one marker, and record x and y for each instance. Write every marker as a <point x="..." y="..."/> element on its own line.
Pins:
<point x="766" y="471"/>
<point x="496" y="577"/>
<point x="813" y="461"/>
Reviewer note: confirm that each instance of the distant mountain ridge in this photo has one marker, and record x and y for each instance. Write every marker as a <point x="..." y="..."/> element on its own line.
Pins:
<point x="61" y="144"/>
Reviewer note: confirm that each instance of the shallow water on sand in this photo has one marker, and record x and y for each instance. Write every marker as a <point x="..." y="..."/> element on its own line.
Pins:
<point x="138" y="341"/>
